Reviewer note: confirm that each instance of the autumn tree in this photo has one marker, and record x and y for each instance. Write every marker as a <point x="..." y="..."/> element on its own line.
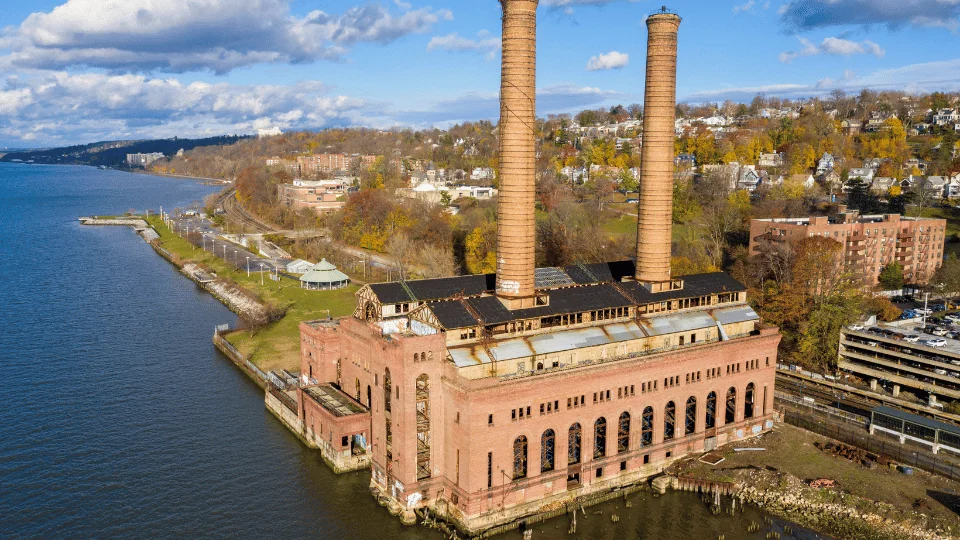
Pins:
<point x="891" y="277"/>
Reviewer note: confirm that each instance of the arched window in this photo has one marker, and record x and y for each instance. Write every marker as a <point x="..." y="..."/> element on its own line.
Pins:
<point x="711" y="411"/>
<point x="423" y="427"/>
<point x="416" y="357"/>
<point x="646" y="427"/>
<point x="547" y="450"/>
<point x="520" y="457"/>
<point x="731" y="415"/>
<point x="669" y="421"/>
<point x="387" y="390"/>
<point x="357" y="389"/>
<point x="575" y="435"/>
<point x="690" y="420"/>
<point x="748" y="397"/>
<point x="369" y="397"/>
<point x="623" y="433"/>
<point x="600" y="438"/>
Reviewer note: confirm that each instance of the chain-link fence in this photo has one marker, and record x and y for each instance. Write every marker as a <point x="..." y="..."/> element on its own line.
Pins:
<point x="860" y="437"/>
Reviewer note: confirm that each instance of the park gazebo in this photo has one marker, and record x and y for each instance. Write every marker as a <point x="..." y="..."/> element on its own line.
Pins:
<point x="323" y="276"/>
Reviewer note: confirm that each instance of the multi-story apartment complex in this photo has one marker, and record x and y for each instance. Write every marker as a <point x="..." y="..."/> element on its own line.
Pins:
<point x="142" y="160"/>
<point x="317" y="195"/>
<point x="869" y="242"/>
<point x="489" y="398"/>
<point x="290" y="165"/>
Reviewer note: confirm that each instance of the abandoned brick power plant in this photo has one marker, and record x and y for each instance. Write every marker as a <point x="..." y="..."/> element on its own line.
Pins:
<point x="487" y="399"/>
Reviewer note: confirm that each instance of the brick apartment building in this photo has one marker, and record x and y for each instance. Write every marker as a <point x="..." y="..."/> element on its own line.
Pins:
<point x="317" y="195"/>
<point x="869" y="242"/>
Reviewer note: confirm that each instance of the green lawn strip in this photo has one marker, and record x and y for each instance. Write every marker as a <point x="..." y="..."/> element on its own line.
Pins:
<point x="278" y="344"/>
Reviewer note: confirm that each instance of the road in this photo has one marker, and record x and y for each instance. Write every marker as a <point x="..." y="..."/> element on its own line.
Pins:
<point x="236" y="211"/>
<point x="236" y="255"/>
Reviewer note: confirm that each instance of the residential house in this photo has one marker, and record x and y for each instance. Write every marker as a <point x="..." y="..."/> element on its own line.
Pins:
<point x="864" y="174"/>
<point x="750" y="178"/>
<point x="774" y="160"/>
<point x="850" y="127"/>
<point x="945" y="117"/>
<point x="830" y="181"/>
<point x="806" y="180"/>
<point x="881" y="185"/>
<point x="939" y="186"/>
<point x="826" y="163"/>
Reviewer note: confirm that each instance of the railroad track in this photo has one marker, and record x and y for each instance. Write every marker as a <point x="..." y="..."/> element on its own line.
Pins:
<point x="237" y="213"/>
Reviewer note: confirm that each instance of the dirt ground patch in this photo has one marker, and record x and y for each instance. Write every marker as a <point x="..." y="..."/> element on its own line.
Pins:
<point x="792" y="459"/>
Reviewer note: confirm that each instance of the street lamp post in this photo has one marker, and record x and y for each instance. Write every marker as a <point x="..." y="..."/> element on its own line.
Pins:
<point x="248" y="266"/>
<point x="261" y="274"/>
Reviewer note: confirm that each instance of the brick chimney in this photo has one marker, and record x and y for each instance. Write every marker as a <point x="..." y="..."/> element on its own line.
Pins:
<point x="656" y="169"/>
<point x="516" y="232"/>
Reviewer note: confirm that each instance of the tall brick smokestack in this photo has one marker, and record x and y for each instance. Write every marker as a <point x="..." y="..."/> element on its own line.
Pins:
<point x="515" y="212"/>
<point x="656" y="169"/>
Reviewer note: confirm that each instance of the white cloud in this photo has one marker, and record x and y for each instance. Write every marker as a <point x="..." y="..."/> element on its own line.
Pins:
<point x="57" y="106"/>
<point x="942" y="76"/>
<point x="801" y="15"/>
<point x="610" y="60"/>
<point x="833" y="46"/>
<point x="217" y="35"/>
<point x="485" y="44"/>
<point x="743" y="8"/>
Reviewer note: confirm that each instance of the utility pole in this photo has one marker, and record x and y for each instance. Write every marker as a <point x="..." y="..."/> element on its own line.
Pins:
<point x="926" y="298"/>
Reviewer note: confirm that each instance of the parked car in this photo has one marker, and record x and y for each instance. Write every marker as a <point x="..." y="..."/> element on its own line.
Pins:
<point x="938" y="307"/>
<point x="940" y="371"/>
<point x="855" y="327"/>
<point x="940" y="331"/>
<point x="913" y="338"/>
<point x="875" y="330"/>
<point x="935" y="342"/>
<point x="923" y="311"/>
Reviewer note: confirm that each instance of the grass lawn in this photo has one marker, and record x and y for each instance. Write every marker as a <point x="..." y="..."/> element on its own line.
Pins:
<point x="276" y="346"/>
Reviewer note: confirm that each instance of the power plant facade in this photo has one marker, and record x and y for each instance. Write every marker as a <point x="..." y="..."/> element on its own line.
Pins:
<point x="487" y="399"/>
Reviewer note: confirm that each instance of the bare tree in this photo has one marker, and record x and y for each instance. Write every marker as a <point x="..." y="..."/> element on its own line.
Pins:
<point x="401" y="247"/>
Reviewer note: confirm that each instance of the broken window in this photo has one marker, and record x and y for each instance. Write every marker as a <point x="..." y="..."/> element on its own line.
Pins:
<point x="748" y="398"/>
<point x="731" y="414"/>
<point x="573" y="444"/>
<point x="520" y="457"/>
<point x="547" y="447"/>
<point x="690" y="421"/>
<point x="669" y="421"/>
<point x="623" y="433"/>
<point x="711" y="411"/>
<point x="646" y="427"/>
<point x="600" y="438"/>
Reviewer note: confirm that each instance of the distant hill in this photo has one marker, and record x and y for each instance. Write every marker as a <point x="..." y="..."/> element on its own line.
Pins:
<point x="112" y="153"/>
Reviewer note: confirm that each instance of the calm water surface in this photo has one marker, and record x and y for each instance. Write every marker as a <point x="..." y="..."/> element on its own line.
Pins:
<point x="118" y="418"/>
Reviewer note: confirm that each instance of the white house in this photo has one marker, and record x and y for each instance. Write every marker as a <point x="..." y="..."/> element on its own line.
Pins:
<point x="866" y="175"/>
<point x="771" y="160"/>
<point x="826" y="163"/>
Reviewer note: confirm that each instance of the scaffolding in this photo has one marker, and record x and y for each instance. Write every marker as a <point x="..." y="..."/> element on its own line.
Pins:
<point x="548" y="444"/>
<point x="646" y="427"/>
<point x="574" y="439"/>
<point x="623" y="433"/>
<point x="520" y="457"/>
<point x="690" y="424"/>
<point x="669" y="421"/>
<point x="711" y="411"/>
<point x="423" y="428"/>
<point x="600" y="438"/>
<point x="731" y="415"/>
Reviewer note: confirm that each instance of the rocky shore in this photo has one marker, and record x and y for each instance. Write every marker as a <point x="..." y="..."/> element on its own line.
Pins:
<point x="832" y="512"/>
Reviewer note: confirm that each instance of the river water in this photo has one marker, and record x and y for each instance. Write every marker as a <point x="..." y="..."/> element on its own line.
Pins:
<point x="118" y="417"/>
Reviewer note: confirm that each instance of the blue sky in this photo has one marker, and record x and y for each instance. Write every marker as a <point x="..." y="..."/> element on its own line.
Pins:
<point x="84" y="70"/>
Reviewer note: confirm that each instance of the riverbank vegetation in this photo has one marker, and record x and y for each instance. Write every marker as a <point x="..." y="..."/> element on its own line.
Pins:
<point x="269" y="345"/>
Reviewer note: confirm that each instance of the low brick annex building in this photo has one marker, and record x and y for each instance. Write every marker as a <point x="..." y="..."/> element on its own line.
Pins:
<point x="869" y="242"/>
